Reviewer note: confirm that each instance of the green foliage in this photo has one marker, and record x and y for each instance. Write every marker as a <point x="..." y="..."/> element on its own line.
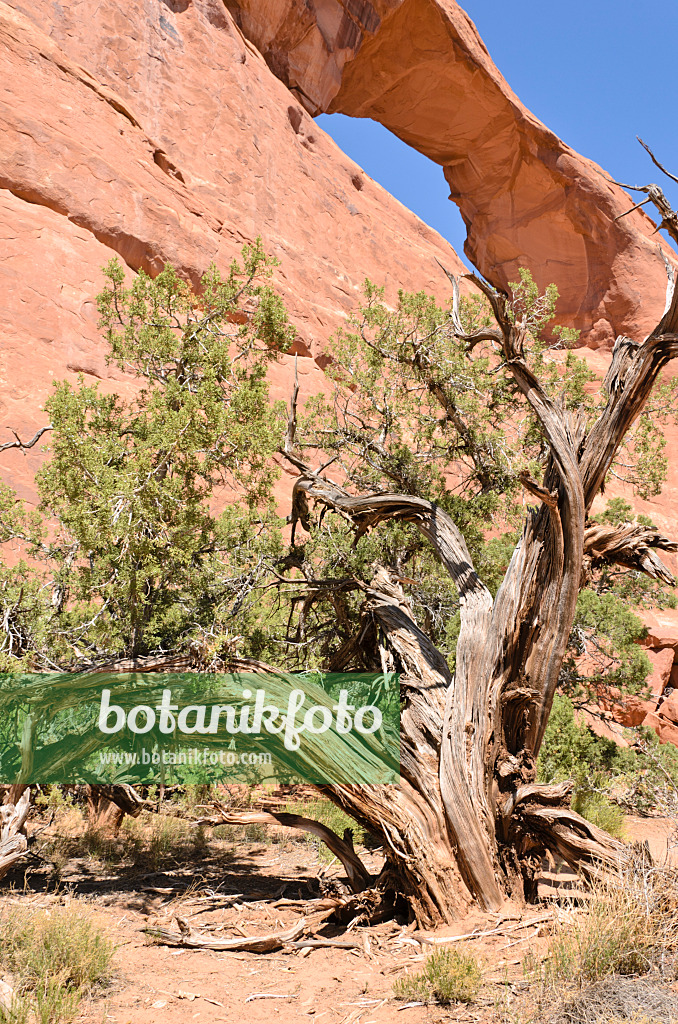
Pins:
<point x="605" y="633"/>
<point x="418" y="410"/>
<point x="572" y="751"/>
<point x="601" y="811"/>
<point x="327" y="813"/>
<point x="617" y="512"/>
<point x="530" y="308"/>
<point x="641" y="461"/>
<point x="449" y="976"/>
<point x="412" y="405"/>
<point x="138" y="557"/>
<point x="23" y="597"/>
<point x="641" y="776"/>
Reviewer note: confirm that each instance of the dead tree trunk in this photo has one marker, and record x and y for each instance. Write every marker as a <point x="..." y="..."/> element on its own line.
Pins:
<point x="13" y="841"/>
<point x="108" y="805"/>
<point x="469" y="821"/>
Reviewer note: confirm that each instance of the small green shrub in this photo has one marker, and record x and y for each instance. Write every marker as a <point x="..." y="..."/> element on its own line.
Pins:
<point x="50" y="1003"/>
<point x="194" y="795"/>
<point x="573" y="751"/>
<point x="640" y="778"/>
<point x="449" y="976"/>
<point x="154" y="839"/>
<point x="54" y="798"/>
<point x="600" y="811"/>
<point x="256" y="833"/>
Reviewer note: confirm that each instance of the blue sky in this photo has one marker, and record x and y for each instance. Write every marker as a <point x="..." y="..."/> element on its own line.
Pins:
<point x="598" y="73"/>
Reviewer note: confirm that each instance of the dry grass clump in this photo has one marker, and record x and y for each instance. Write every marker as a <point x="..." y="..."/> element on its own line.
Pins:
<point x="629" y="928"/>
<point x="613" y="958"/>
<point x="150" y="841"/>
<point x="51" y="958"/>
<point x="619" y="1001"/>
<point x="449" y="976"/>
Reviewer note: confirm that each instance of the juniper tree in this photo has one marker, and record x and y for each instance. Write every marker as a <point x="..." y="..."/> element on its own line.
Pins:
<point x="445" y="424"/>
<point x="135" y="555"/>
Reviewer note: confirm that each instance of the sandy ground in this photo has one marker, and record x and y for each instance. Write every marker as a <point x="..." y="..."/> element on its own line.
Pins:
<point x="240" y="887"/>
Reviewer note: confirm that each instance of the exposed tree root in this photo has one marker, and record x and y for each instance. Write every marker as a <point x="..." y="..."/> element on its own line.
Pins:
<point x="584" y="846"/>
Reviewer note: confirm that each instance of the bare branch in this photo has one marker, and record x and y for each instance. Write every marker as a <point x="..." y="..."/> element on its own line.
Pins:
<point x="584" y="846"/>
<point x="654" y="160"/>
<point x="357" y="874"/>
<point x="643" y="202"/>
<point x="292" y="419"/>
<point x="368" y="511"/>
<point x="550" y="498"/>
<point x="191" y="939"/>
<point x="629" y="381"/>
<point x="630" y="546"/>
<point x="18" y="443"/>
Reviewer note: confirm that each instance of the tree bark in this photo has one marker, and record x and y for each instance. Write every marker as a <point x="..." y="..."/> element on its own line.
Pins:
<point x="13" y="841"/>
<point x="108" y="805"/>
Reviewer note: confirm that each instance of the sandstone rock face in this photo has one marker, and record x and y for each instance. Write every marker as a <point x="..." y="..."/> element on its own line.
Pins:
<point x="154" y="131"/>
<point x="633" y="711"/>
<point x="420" y="68"/>
<point x="658" y="712"/>
<point x="662" y="664"/>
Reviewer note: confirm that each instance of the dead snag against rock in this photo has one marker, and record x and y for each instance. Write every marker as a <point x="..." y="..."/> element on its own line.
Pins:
<point x="468" y="822"/>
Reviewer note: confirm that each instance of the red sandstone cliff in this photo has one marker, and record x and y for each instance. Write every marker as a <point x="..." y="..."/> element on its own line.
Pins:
<point x="155" y="131"/>
<point x="420" y="68"/>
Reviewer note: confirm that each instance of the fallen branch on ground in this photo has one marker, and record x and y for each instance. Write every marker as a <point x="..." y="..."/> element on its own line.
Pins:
<point x="190" y="939"/>
<point x="443" y="939"/>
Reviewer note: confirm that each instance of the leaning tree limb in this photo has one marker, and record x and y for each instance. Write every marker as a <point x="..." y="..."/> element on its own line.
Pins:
<point x="358" y="876"/>
<point x="468" y="815"/>
<point x="409" y="818"/>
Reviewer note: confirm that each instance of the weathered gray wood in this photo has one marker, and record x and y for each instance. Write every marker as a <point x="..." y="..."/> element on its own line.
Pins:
<point x="630" y="546"/>
<point x="13" y="841"/>
<point x="188" y="938"/>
